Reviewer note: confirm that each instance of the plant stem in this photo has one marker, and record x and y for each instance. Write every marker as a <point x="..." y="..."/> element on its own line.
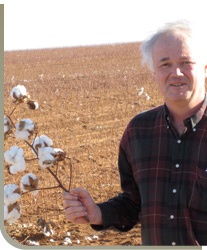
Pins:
<point x="31" y="159"/>
<point x="47" y="188"/>
<point x="60" y="184"/>
<point x="10" y="120"/>
<point x="14" y="108"/>
<point x="31" y="146"/>
<point x="70" y="181"/>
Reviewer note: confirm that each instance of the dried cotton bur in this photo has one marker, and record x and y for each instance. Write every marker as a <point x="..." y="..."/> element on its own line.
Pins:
<point x="7" y="127"/>
<point x="29" y="183"/>
<point x="41" y="146"/>
<point x="32" y="104"/>
<point x="12" y="210"/>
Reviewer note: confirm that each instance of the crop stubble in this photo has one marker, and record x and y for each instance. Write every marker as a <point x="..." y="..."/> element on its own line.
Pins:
<point x="87" y="95"/>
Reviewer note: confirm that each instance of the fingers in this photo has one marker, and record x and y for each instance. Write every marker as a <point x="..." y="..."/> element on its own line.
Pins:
<point x="80" y="193"/>
<point x="69" y="196"/>
<point x="72" y="213"/>
<point x="70" y="200"/>
<point x="74" y="208"/>
<point x="76" y="193"/>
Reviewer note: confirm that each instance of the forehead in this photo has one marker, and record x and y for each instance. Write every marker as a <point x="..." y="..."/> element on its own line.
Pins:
<point x="173" y="45"/>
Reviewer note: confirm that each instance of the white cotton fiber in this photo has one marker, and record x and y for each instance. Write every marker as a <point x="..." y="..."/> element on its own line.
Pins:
<point x="6" y="127"/>
<point x="12" y="216"/>
<point x="27" y="185"/>
<point x="24" y="129"/>
<point x="11" y="194"/>
<point x="46" y="151"/>
<point x="18" y="91"/>
<point x="20" y="166"/>
<point x="46" y="157"/>
<point x="60" y="154"/>
<point x="28" y="124"/>
<point x="15" y="156"/>
<point x="22" y="135"/>
<point x="58" y="150"/>
<point x="41" y="142"/>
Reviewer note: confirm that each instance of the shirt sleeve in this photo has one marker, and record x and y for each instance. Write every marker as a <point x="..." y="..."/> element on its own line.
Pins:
<point x="122" y="212"/>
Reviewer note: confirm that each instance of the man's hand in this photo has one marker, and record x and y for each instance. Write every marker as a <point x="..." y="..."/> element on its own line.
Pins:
<point x="80" y="207"/>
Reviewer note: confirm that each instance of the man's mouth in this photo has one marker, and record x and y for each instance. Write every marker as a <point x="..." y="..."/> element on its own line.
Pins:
<point x="177" y="84"/>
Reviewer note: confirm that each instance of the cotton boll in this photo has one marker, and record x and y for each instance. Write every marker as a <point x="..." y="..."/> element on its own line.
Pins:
<point x="67" y="240"/>
<point x="19" y="93"/>
<point x="18" y="167"/>
<point x="46" y="157"/>
<point x="29" y="182"/>
<point x="28" y="124"/>
<point x="47" y="231"/>
<point x="9" y="155"/>
<point x="41" y="142"/>
<point x="141" y="91"/>
<point x="22" y="135"/>
<point x="46" y="140"/>
<point x="24" y="129"/>
<point x="13" y="155"/>
<point x="7" y="126"/>
<point x="46" y="161"/>
<point x="45" y="151"/>
<point x="11" y="194"/>
<point x="60" y="154"/>
<point x="32" y="104"/>
<point x="12" y="213"/>
<point x="32" y="243"/>
<point x="12" y="169"/>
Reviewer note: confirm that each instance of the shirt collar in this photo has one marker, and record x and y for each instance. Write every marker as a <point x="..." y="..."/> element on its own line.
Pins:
<point x="193" y="120"/>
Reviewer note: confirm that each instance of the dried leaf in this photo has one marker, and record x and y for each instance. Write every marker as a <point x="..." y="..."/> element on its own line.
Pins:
<point x="59" y="156"/>
<point x="31" y="104"/>
<point x="21" y="125"/>
<point x="17" y="191"/>
<point x="33" y="184"/>
<point x="14" y="206"/>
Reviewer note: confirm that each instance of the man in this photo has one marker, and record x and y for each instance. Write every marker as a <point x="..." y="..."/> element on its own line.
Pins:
<point x="163" y="152"/>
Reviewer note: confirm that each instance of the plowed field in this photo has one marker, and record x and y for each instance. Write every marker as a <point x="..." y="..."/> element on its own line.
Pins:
<point x="87" y="96"/>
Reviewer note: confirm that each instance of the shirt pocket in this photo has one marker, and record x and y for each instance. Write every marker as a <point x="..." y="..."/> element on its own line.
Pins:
<point x="198" y="198"/>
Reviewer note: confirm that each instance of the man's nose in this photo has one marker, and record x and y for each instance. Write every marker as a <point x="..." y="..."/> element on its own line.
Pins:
<point x="177" y="71"/>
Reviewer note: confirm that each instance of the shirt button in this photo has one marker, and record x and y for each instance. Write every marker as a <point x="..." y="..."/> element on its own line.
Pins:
<point x="178" y="141"/>
<point x="174" y="191"/>
<point x="172" y="216"/>
<point x="194" y="129"/>
<point x="177" y="165"/>
<point x="173" y="243"/>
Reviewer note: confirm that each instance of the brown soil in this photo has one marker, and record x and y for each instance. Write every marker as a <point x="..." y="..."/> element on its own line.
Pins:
<point x="87" y="95"/>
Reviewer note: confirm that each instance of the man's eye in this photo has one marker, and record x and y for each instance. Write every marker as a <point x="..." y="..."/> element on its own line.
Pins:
<point x="164" y="65"/>
<point x="188" y="62"/>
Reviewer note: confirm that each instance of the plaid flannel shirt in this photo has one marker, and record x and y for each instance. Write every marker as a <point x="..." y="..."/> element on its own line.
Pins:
<point x="164" y="180"/>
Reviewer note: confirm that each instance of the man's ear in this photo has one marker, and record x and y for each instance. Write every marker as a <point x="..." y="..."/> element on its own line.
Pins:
<point x="206" y="70"/>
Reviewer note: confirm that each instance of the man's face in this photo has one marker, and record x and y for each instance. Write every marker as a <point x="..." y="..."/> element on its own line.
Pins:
<point x="178" y="70"/>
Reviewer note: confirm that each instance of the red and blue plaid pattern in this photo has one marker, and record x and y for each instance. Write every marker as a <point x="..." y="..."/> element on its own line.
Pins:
<point x="164" y="180"/>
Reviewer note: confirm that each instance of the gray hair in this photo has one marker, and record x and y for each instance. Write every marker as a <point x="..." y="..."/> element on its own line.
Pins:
<point x="147" y="45"/>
